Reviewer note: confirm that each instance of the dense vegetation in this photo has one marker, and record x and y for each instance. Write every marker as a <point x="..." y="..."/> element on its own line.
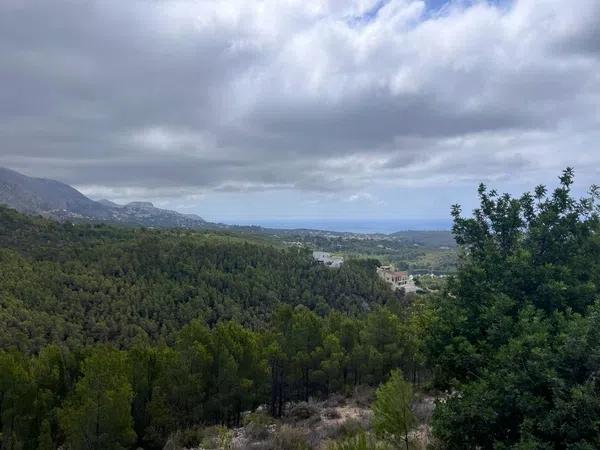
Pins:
<point x="114" y="337"/>
<point x="102" y="397"/>
<point x="84" y="284"/>
<point x="516" y="335"/>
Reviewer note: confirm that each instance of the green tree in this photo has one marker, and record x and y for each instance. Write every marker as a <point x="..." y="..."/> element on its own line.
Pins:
<point x="382" y="335"/>
<point x="98" y="414"/>
<point x="45" y="439"/>
<point x="393" y="416"/>
<point x="16" y="402"/>
<point x="515" y="334"/>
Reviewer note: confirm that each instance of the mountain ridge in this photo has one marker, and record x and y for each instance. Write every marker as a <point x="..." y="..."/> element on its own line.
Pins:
<point x="57" y="200"/>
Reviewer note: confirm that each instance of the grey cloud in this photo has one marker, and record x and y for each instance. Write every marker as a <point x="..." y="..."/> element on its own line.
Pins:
<point x="253" y="103"/>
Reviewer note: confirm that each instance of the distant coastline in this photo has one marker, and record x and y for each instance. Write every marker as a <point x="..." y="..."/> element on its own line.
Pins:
<point x="385" y="226"/>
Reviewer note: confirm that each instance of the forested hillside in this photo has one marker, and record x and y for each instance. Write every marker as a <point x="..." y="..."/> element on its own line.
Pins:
<point x="115" y="338"/>
<point x="84" y="284"/>
<point x="119" y="338"/>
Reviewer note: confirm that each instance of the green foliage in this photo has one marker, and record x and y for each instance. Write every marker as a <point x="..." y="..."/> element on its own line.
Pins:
<point x="16" y="397"/>
<point x="289" y="438"/>
<point x="118" y="338"/>
<point x="45" y="439"/>
<point x="105" y="397"/>
<point x="256" y="425"/>
<point x="515" y="334"/>
<point x="77" y="285"/>
<point x="98" y="414"/>
<point x="392" y="414"/>
<point x="361" y="441"/>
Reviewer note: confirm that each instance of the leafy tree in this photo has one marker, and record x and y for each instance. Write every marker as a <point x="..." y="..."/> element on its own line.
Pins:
<point x="515" y="334"/>
<point x="392" y="409"/>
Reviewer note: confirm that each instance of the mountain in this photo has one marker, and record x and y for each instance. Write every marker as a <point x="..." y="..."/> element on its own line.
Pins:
<point x="106" y="202"/>
<point x="46" y="197"/>
<point x="60" y="201"/>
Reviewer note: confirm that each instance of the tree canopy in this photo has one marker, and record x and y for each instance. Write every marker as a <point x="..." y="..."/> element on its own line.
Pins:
<point x="117" y="338"/>
<point x="515" y="336"/>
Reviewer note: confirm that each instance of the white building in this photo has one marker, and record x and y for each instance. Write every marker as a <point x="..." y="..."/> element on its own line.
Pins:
<point x="328" y="260"/>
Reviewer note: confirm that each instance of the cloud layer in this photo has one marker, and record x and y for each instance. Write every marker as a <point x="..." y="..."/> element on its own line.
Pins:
<point x="197" y="103"/>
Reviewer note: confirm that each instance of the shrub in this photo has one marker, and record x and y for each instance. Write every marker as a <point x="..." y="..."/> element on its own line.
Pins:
<point x="189" y="437"/>
<point x="256" y="425"/>
<point x="362" y="441"/>
<point x="257" y="431"/>
<point x="335" y="400"/>
<point x="331" y="413"/>
<point x="363" y="396"/>
<point x="352" y="427"/>
<point x="290" y="438"/>
<point x="214" y="437"/>
<point x="303" y="411"/>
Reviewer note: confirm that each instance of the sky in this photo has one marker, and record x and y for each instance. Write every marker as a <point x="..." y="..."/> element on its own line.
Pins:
<point x="274" y="110"/>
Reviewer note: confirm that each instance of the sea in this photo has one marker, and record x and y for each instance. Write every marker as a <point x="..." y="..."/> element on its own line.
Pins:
<point x="385" y="226"/>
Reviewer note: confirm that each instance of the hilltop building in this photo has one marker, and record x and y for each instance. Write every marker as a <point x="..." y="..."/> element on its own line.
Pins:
<point x="398" y="279"/>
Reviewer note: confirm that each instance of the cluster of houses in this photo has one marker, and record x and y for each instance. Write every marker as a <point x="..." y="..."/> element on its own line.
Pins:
<point x="398" y="279"/>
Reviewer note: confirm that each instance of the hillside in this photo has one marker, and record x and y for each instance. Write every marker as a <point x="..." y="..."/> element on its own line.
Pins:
<point x="132" y="337"/>
<point x="417" y="251"/>
<point x="128" y="337"/>
<point x="49" y="197"/>
<point x="60" y="201"/>
<point x="80" y="284"/>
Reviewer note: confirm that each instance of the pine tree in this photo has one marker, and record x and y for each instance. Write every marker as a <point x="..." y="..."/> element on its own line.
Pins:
<point x="98" y="415"/>
<point x="392" y="409"/>
<point x="45" y="438"/>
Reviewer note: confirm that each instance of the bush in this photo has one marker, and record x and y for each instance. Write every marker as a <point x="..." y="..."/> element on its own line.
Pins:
<point x="363" y="441"/>
<point x="290" y="438"/>
<point x="335" y="400"/>
<point x="256" y="426"/>
<point x="190" y="437"/>
<point x="363" y="396"/>
<point x="303" y="411"/>
<point x="331" y="413"/>
<point x="215" y="437"/>
<point x="352" y="427"/>
<point x="258" y="417"/>
<point x="257" y="431"/>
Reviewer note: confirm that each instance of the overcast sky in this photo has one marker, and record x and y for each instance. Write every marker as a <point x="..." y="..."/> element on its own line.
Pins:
<point x="244" y="111"/>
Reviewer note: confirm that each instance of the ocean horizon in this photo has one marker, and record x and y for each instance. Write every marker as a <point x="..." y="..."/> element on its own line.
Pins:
<point x="385" y="226"/>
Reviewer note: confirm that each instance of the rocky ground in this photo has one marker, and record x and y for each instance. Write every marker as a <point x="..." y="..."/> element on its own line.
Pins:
<point x="307" y="425"/>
